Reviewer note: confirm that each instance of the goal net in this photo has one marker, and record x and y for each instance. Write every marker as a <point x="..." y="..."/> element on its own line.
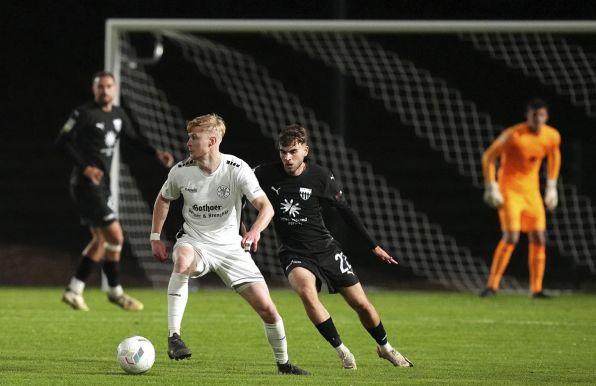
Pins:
<point x="399" y="111"/>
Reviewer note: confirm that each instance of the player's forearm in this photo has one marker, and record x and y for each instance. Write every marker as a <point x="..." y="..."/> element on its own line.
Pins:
<point x="160" y="213"/>
<point x="554" y="165"/>
<point x="265" y="215"/>
<point x="490" y="155"/>
<point x="347" y="213"/>
<point x="488" y="166"/>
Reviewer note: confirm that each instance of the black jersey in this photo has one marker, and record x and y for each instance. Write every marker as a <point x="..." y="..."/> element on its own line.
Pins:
<point x="298" y="202"/>
<point x="90" y="135"/>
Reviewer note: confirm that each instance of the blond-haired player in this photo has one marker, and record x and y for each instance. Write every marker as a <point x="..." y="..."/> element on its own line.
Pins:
<point x="520" y="150"/>
<point x="212" y="185"/>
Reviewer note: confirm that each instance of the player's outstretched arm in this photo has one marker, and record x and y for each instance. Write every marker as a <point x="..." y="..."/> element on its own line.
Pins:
<point x="383" y="255"/>
<point x="160" y="213"/>
<point x="253" y="235"/>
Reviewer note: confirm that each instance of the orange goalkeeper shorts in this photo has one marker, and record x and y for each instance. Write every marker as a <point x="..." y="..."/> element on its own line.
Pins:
<point x="522" y="212"/>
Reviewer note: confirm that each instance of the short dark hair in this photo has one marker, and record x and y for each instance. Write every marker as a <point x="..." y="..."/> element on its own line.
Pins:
<point x="536" y="103"/>
<point x="102" y="74"/>
<point x="292" y="134"/>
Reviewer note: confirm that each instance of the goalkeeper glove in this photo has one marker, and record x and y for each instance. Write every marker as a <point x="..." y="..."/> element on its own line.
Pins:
<point x="492" y="195"/>
<point x="551" y="198"/>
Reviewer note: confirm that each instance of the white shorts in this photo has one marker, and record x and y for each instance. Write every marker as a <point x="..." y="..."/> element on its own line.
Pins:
<point x="231" y="263"/>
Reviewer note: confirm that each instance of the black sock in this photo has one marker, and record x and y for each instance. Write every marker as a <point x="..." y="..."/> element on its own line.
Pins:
<point x="110" y="268"/>
<point x="378" y="333"/>
<point x="329" y="332"/>
<point x="85" y="268"/>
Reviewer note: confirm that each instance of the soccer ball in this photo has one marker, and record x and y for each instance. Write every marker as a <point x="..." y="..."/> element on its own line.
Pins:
<point x="135" y="354"/>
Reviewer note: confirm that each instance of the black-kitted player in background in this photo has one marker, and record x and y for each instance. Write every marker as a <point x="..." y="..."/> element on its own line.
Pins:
<point x="308" y="253"/>
<point x="88" y="138"/>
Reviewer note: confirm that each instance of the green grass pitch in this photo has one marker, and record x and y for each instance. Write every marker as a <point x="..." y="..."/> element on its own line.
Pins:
<point x="452" y="338"/>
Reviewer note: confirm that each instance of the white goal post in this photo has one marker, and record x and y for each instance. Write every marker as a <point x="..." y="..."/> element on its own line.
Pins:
<point x="428" y="249"/>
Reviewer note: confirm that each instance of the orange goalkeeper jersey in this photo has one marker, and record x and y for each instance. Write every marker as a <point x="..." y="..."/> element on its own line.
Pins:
<point x="521" y="152"/>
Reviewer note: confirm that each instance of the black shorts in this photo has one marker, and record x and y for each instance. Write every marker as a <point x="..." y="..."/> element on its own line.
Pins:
<point x="331" y="267"/>
<point x="93" y="201"/>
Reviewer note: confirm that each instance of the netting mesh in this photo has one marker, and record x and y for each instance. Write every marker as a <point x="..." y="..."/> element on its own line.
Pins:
<point x="553" y="60"/>
<point x="436" y="112"/>
<point x="453" y="125"/>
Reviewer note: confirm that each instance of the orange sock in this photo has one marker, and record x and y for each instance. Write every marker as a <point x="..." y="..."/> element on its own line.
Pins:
<point x="536" y="265"/>
<point x="500" y="260"/>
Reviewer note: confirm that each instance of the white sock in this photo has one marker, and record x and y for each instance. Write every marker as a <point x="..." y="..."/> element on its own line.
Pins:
<point x="276" y="335"/>
<point x="76" y="286"/>
<point x="386" y="347"/>
<point x="177" y="298"/>
<point x="342" y="349"/>
<point x="115" y="292"/>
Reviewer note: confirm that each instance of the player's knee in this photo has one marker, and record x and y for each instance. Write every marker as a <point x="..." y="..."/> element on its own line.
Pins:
<point x="268" y="312"/>
<point x="97" y="238"/>
<point x="97" y="241"/>
<point x="112" y="247"/>
<point x="538" y="238"/>
<point x="511" y="237"/>
<point x="117" y="239"/>
<point x="94" y="250"/>
<point x="363" y="307"/>
<point x="184" y="262"/>
<point x="312" y="304"/>
<point x="308" y="296"/>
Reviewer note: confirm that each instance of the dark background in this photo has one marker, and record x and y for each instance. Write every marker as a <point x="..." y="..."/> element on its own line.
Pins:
<point x="49" y="51"/>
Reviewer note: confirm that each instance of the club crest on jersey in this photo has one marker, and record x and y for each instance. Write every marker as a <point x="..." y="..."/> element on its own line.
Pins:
<point x="305" y="193"/>
<point x="117" y="124"/>
<point x="223" y="191"/>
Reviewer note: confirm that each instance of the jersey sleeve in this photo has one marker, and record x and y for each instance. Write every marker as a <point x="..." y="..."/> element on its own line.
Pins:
<point x="66" y="140"/>
<point x="489" y="157"/>
<point x="554" y="157"/>
<point x="334" y="196"/>
<point x="248" y="183"/>
<point x="171" y="188"/>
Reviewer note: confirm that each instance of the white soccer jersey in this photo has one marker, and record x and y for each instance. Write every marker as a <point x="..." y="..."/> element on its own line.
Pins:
<point x="212" y="203"/>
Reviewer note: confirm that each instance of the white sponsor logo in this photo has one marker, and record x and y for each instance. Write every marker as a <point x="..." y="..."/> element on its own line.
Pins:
<point x="99" y="125"/>
<point x="110" y="139"/>
<point x="276" y="190"/>
<point x="290" y="207"/>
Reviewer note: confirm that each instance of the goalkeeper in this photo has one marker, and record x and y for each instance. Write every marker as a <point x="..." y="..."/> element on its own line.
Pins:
<point x="520" y="150"/>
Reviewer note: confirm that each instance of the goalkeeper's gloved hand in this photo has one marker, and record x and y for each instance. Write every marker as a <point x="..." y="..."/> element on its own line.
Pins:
<point x="492" y="195"/>
<point x="551" y="197"/>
